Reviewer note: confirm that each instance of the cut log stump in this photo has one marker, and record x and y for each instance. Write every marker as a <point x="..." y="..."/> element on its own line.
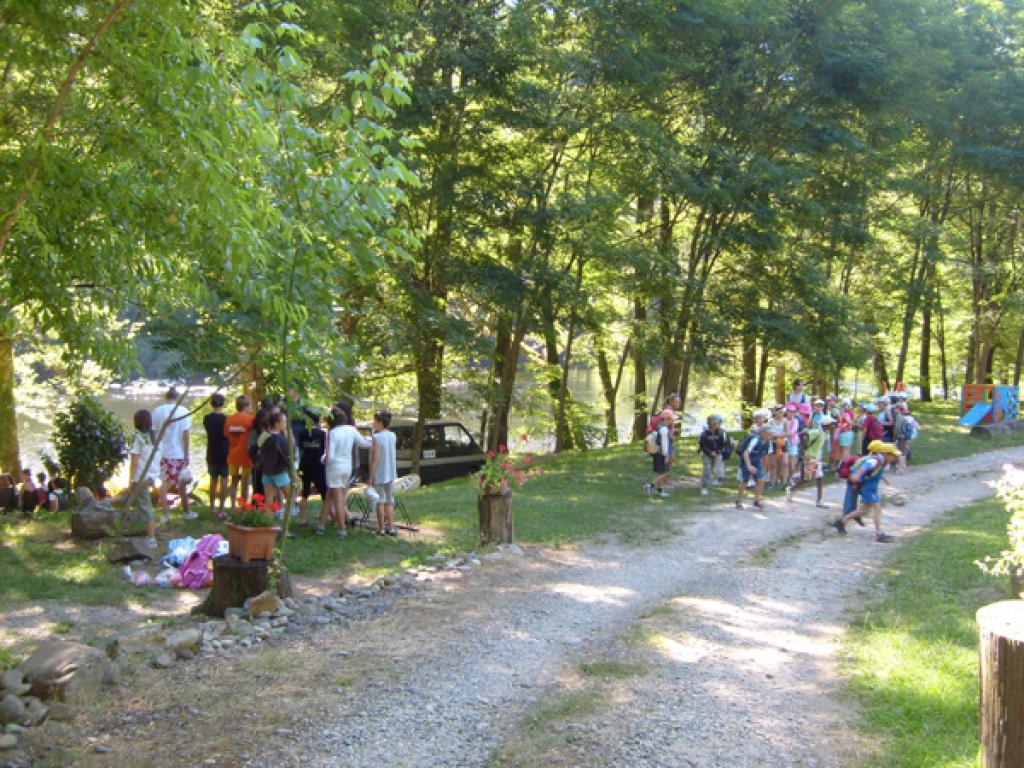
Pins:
<point x="233" y="583"/>
<point x="1001" y="682"/>
<point x="986" y="431"/>
<point x="496" y="519"/>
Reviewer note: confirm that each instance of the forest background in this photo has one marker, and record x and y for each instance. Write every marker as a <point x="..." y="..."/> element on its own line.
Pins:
<point x="373" y="199"/>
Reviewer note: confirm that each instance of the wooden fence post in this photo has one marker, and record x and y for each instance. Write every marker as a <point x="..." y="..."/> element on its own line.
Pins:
<point x="1001" y="683"/>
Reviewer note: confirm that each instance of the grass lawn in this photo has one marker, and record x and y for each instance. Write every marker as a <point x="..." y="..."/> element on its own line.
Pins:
<point x="582" y="496"/>
<point x="913" y="652"/>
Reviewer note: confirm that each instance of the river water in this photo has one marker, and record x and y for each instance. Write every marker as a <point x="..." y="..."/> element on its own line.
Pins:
<point x="34" y="422"/>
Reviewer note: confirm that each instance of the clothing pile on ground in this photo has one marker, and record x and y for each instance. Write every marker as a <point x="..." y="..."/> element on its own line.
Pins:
<point x="188" y="563"/>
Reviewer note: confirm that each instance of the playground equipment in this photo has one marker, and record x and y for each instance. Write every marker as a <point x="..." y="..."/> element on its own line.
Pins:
<point x="990" y="410"/>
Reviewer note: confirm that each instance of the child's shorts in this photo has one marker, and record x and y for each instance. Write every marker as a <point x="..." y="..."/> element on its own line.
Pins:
<point x="217" y="470"/>
<point x="385" y="492"/>
<point x="794" y="450"/>
<point x="846" y="439"/>
<point x="280" y="480"/>
<point x="812" y="469"/>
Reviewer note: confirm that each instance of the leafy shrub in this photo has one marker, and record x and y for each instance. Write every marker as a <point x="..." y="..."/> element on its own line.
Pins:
<point x="90" y="443"/>
<point x="1010" y="490"/>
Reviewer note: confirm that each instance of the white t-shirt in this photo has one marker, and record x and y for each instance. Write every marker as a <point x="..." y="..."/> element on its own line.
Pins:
<point x="142" y="447"/>
<point x="170" y="446"/>
<point x="340" y="442"/>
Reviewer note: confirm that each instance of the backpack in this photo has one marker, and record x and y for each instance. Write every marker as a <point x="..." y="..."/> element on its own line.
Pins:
<point x="745" y="443"/>
<point x="911" y="428"/>
<point x="727" y="448"/>
<point x="651" y="446"/>
<point x="846" y="465"/>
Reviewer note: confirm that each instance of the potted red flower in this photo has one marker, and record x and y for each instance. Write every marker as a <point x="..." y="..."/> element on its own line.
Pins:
<point x="497" y="477"/>
<point x="252" y="529"/>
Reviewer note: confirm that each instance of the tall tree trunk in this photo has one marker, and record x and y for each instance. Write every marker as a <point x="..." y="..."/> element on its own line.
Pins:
<point x="762" y="375"/>
<point x="942" y="344"/>
<point x="780" y="383"/>
<point x="985" y="362"/>
<point x="878" y="365"/>
<point x="1019" y="361"/>
<point x="748" y="384"/>
<point x="551" y="356"/>
<point x="564" y="437"/>
<point x="506" y="359"/>
<point x="924" y="378"/>
<point x="9" y="459"/>
<point x="611" y="388"/>
<point x="429" y="363"/>
<point x="909" y="311"/>
<point x="639" y="372"/>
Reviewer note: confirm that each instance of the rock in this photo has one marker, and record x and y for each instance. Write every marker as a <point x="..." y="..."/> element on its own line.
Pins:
<point x="101" y="748"/>
<point x="437" y="559"/>
<point x="15" y="728"/>
<point x="18" y="690"/>
<point x="510" y="549"/>
<point x="63" y="712"/>
<point x="12" y="678"/>
<point x="267" y="602"/>
<point x="184" y="640"/>
<point x="91" y="519"/>
<point x="8" y="741"/>
<point x="163" y="661"/>
<point x="67" y="671"/>
<point x="129" y="551"/>
<point x="12" y="709"/>
<point x="37" y="711"/>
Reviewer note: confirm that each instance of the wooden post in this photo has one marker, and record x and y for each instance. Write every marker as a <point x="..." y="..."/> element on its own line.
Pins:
<point x="233" y="583"/>
<point x="1001" y="682"/>
<point x="496" y="519"/>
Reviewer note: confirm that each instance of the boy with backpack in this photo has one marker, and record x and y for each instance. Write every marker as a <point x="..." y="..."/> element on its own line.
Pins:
<point x="715" y="447"/>
<point x="658" y="444"/>
<point x="752" y="450"/>
<point x="863" y="481"/>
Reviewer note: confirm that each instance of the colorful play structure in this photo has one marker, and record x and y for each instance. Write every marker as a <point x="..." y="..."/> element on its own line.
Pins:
<point x="988" y="409"/>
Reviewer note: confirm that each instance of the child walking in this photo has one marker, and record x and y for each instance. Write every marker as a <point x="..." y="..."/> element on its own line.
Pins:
<point x="714" y="443"/>
<point x="145" y="451"/>
<point x="384" y="472"/>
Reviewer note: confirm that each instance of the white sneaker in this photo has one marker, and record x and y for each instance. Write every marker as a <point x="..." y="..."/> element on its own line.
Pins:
<point x="789" y="493"/>
<point x="703" y="491"/>
<point x="192" y="515"/>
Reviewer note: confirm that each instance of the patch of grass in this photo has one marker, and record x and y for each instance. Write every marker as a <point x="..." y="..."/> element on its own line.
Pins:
<point x="63" y="627"/>
<point x="543" y="735"/>
<point x="942" y="438"/>
<point x="913" y="651"/>
<point x="613" y="668"/>
<point x="579" y="703"/>
<point x="9" y="658"/>
<point x="765" y="554"/>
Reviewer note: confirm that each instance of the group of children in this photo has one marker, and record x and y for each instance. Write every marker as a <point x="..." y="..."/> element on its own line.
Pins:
<point x="796" y="442"/>
<point x="266" y="451"/>
<point x="33" y="493"/>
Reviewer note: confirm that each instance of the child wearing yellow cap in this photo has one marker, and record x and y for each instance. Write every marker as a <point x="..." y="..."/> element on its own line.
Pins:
<point x="865" y="476"/>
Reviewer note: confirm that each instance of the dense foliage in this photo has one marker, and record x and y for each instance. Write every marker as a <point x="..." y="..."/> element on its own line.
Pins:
<point x="380" y="198"/>
<point x="90" y="443"/>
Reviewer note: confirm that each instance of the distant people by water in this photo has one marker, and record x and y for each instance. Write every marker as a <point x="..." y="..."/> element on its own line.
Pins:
<point x="217" y="453"/>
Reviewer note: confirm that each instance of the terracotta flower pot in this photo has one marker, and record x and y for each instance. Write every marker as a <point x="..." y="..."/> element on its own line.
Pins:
<point x="247" y="543"/>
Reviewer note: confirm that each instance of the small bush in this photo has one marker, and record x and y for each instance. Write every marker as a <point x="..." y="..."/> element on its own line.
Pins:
<point x="90" y="443"/>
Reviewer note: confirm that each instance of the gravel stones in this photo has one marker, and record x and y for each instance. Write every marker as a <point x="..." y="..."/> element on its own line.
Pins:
<point x="266" y="602"/>
<point x="184" y="641"/>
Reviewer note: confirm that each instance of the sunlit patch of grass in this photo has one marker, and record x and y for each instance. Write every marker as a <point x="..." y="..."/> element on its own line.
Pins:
<point x="613" y="668"/>
<point x="913" y="651"/>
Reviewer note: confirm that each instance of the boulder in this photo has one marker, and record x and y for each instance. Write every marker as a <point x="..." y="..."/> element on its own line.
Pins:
<point x="265" y="602"/>
<point x="91" y="519"/>
<point x="8" y="741"/>
<point x="163" y="661"/>
<point x="12" y="678"/>
<point x="67" y="671"/>
<point x="129" y="551"/>
<point x="184" y="640"/>
<point x="12" y="709"/>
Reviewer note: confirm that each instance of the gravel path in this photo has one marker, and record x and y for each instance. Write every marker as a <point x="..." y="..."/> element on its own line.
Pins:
<point x="748" y="684"/>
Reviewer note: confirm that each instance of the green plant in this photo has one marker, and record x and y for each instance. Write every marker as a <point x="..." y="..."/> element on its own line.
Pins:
<point x="1010" y="491"/>
<point x="90" y="443"/>
<point x="256" y="513"/>
<point x="498" y="474"/>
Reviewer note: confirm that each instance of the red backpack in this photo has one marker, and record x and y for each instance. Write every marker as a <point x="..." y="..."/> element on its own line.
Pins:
<point x="846" y="466"/>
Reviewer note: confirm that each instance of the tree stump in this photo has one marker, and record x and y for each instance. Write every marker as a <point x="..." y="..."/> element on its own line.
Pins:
<point x="986" y="431"/>
<point x="1001" y="682"/>
<point x="233" y="583"/>
<point x="496" y="519"/>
